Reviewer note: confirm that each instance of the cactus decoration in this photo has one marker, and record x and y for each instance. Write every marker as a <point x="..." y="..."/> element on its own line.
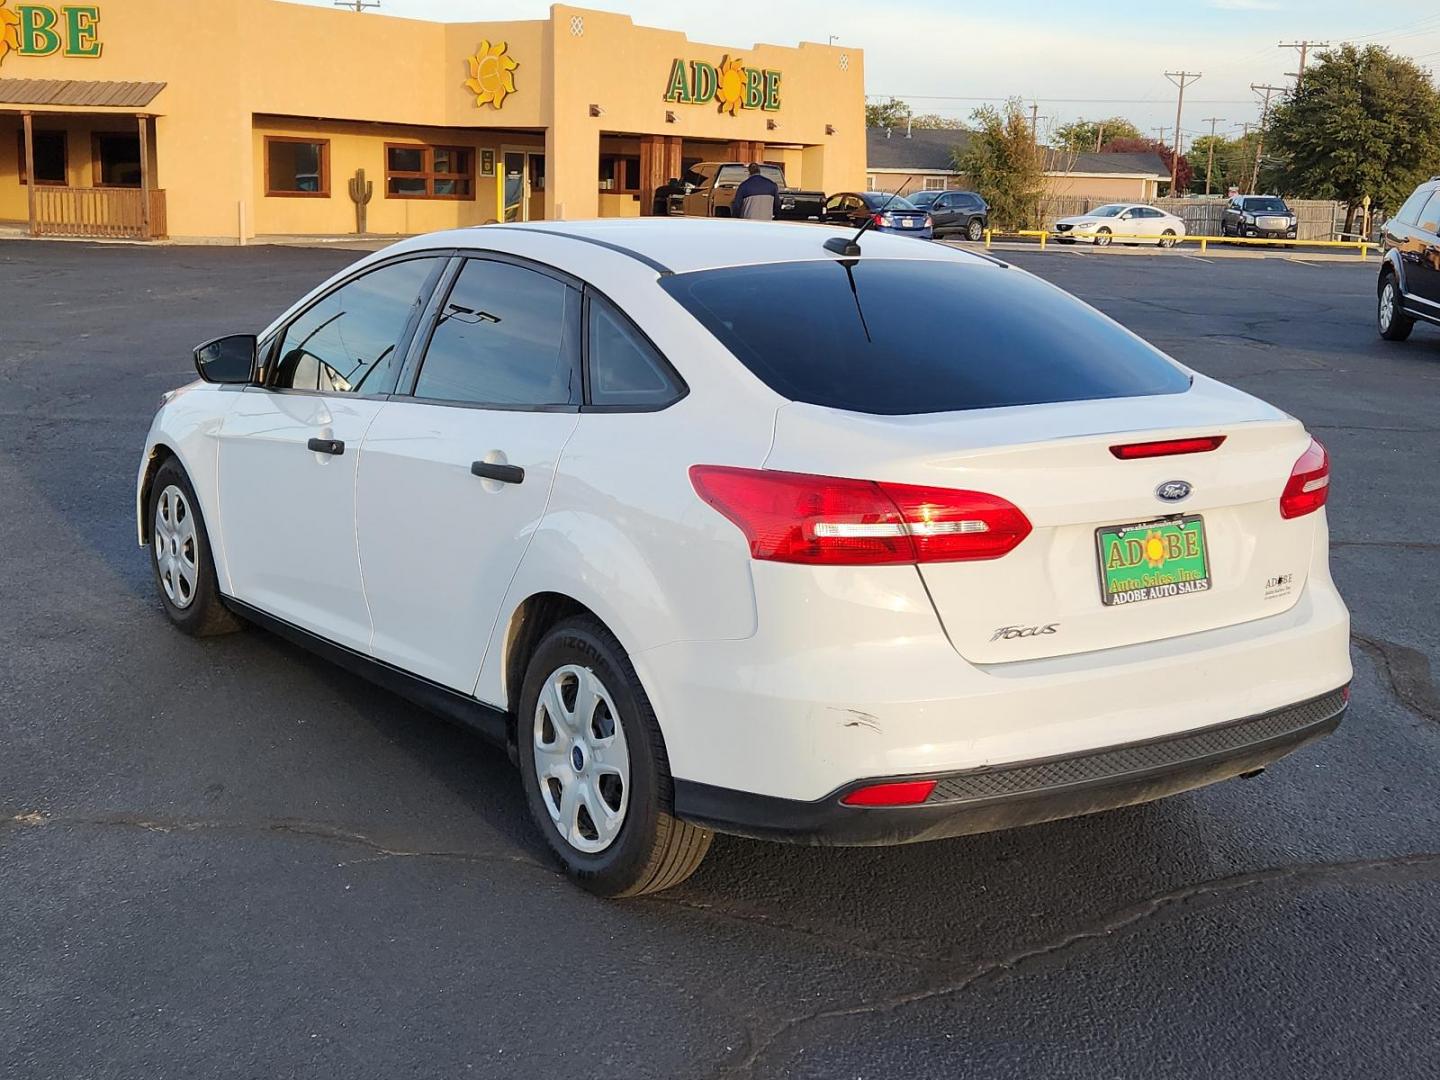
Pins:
<point x="361" y="192"/>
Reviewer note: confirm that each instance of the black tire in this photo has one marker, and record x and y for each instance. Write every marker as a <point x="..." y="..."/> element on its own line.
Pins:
<point x="652" y="850"/>
<point x="1102" y="237"/>
<point x="1167" y="238"/>
<point x="1398" y="325"/>
<point x="197" y="610"/>
<point x="975" y="231"/>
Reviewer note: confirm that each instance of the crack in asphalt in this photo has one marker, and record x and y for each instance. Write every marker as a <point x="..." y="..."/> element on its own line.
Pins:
<point x="765" y="1043"/>
<point x="1406" y="671"/>
<point x="309" y="830"/>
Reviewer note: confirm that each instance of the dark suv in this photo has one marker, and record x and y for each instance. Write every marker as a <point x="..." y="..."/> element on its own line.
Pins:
<point x="1409" y="286"/>
<point x="962" y="212"/>
<point x="1263" y="216"/>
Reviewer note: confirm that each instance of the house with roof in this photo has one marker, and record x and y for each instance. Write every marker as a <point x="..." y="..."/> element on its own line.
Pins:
<point x="926" y="157"/>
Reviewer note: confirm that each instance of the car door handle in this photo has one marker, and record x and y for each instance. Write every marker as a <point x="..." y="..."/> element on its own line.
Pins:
<point x="326" y="446"/>
<point x="505" y="474"/>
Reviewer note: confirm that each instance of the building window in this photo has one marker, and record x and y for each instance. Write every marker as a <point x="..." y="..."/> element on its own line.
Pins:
<point x="870" y="183"/>
<point x="429" y="172"/>
<point x="297" y="167"/>
<point x="51" y="157"/>
<point x="620" y="174"/>
<point x="116" y="159"/>
<point x="933" y="183"/>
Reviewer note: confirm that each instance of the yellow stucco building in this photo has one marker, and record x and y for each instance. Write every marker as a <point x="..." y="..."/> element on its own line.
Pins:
<point x="231" y="119"/>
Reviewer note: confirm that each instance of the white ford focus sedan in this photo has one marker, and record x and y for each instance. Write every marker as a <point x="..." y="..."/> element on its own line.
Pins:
<point x="706" y="525"/>
<point x="1127" y="223"/>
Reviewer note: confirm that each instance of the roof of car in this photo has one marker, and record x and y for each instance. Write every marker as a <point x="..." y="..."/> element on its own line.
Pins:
<point x="681" y="245"/>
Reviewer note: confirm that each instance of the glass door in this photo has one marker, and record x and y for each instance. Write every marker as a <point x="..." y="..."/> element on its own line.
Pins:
<point x="515" y="189"/>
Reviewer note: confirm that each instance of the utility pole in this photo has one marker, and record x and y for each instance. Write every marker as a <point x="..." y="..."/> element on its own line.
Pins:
<point x="1210" y="158"/>
<point x="1180" y="79"/>
<point x="1303" y="47"/>
<point x="1260" y="142"/>
<point x="356" y="6"/>
<point x="1099" y="136"/>
<point x="1035" y="124"/>
<point x="1160" y="134"/>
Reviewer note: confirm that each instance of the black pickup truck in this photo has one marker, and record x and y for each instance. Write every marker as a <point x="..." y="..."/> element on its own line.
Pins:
<point x="710" y="189"/>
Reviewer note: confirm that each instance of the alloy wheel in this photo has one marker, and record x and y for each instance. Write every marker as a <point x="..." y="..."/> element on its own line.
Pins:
<point x="582" y="761"/>
<point x="1387" y="305"/>
<point x="176" y="547"/>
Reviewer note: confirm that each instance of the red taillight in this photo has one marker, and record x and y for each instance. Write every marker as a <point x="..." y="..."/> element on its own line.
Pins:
<point x="877" y="219"/>
<point x="901" y="793"/>
<point x="1309" y="483"/>
<point x="828" y="520"/>
<point x="1166" y="447"/>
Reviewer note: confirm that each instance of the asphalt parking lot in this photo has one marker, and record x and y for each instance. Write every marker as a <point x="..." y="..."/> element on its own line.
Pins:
<point x="225" y="857"/>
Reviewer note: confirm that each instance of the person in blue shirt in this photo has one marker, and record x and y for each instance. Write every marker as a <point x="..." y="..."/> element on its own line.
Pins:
<point x="756" y="196"/>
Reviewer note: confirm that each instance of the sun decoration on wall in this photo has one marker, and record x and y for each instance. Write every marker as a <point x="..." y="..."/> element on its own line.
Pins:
<point x="9" y="30"/>
<point x="491" y="74"/>
<point x="731" y="91"/>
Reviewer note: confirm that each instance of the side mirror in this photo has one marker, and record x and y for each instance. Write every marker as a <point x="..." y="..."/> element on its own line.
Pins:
<point x="227" y="359"/>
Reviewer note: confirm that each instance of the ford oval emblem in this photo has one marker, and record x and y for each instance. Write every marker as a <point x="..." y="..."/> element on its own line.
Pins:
<point x="1173" y="490"/>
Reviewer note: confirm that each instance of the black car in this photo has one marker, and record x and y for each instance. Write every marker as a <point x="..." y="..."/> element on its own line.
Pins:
<point x="1261" y="216"/>
<point x="962" y="212"/>
<point x="1409" y="286"/>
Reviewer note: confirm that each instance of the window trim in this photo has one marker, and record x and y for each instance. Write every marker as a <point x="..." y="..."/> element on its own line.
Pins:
<point x="427" y="172"/>
<point x="414" y="363"/>
<point x="20" y="159"/>
<point x="618" y="167"/>
<point x="96" y="138"/>
<point x="680" y="389"/>
<point x="324" y="144"/>
<point x="442" y="256"/>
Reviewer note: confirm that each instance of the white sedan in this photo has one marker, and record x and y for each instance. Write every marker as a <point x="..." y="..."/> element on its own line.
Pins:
<point x="705" y="526"/>
<point x="1128" y="223"/>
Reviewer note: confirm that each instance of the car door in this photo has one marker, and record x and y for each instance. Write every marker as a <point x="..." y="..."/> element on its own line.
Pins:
<point x="457" y="468"/>
<point x="288" y="450"/>
<point x="1425" y="269"/>
<point x="944" y="212"/>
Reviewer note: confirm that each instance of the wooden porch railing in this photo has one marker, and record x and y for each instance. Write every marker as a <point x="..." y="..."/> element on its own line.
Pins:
<point x="105" y="213"/>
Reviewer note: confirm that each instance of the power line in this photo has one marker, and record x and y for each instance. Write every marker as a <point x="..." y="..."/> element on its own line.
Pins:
<point x="1059" y="100"/>
<point x="1210" y="159"/>
<point x="1264" y="115"/>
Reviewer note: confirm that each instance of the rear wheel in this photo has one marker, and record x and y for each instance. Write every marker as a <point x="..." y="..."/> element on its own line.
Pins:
<point x="180" y="549"/>
<point x="1102" y="238"/>
<point x="975" y="231"/>
<point x="596" y="774"/>
<point x="1167" y="238"/>
<point x="1394" y="324"/>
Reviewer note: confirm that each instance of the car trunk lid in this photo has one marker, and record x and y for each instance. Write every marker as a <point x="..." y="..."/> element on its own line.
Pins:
<point x="1056" y="464"/>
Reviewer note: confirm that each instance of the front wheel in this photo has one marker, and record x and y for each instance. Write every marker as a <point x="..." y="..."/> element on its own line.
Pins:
<point x="1167" y="238"/>
<point x="1394" y="324"/>
<point x="1102" y="238"/>
<point x="180" y="547"/>
<point x="975" y="231"/>
<point x="596" y="773"/>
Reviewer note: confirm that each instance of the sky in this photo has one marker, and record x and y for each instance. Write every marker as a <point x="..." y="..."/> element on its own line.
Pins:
<point x="1074" y="58"/>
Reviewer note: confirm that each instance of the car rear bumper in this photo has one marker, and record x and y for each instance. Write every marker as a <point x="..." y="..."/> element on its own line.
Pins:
<point x="1023" y="793"/>
<point x="895" y="230"/>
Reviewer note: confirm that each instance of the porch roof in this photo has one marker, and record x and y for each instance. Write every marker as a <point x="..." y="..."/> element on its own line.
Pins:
<point x="89" y="93"/>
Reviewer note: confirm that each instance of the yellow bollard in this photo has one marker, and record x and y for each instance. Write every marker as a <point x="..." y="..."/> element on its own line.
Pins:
<point x="1203" y="241"/>
<point x="1043" y="237"/>
<point x="987" y="239"/>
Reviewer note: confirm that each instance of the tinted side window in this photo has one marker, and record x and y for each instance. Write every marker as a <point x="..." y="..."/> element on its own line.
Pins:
<point x="1430" y="216"/>
<point x="1409" y="214"/>
<point x="348" y="342"/>
<point x="624" y="368"/>
<point x="800" y="328"/>
<point x="505" y="336"/>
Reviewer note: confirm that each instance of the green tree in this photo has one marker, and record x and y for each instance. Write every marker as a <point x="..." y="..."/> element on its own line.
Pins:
<point x="1003" y="164"/>
<point x="1086" y="136"/>
<point x="1364" y="122"/>
<point x="891" y="113"/>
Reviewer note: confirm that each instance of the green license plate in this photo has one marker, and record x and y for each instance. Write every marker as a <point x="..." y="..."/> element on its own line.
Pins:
<point x="1152" y="559"/>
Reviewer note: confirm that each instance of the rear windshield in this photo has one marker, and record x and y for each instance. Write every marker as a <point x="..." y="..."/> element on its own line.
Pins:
<point x="1267" y="205"/>
<point x="875" y="200"/>
<point x="902" y="336"/>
